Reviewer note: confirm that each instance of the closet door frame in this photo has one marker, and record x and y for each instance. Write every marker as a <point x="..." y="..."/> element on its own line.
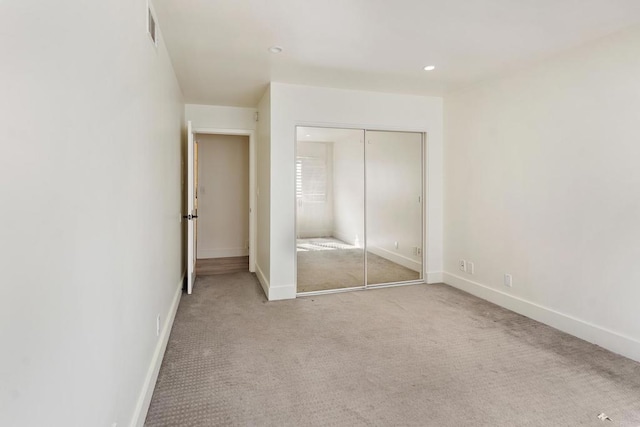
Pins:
<point x="425" y="204"/>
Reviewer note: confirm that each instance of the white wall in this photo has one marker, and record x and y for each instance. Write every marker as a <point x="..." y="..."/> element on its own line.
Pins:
<point x="263" y="192"/>
<point x="223" y="196"/>
<point x="292" y="105"/>
<point x="220" y="117"/>
<point x="542" y="182"/>
<point x="90" y="191"/>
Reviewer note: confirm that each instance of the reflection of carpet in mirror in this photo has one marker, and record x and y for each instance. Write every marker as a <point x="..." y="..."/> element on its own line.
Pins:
<point x="320" y="270"/>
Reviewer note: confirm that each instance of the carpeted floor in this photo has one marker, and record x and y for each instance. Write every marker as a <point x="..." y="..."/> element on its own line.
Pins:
<point x="328" y="263"/>
<point x="423" y="355"/>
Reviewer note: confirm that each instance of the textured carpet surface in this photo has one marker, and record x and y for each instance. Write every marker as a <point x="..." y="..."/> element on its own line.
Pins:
<point x="422" y="355"/>
<point x="327" y="263"/>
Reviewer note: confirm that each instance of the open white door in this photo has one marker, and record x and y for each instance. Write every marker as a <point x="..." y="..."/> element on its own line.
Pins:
<point x="192" y="211"/>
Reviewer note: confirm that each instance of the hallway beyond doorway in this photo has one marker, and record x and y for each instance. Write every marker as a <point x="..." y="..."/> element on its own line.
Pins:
<point x="213" y="266"/>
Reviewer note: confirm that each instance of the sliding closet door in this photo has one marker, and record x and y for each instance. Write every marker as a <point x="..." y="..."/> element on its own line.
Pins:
<point x="329" y="208"/>
<point x="394" y="200"/>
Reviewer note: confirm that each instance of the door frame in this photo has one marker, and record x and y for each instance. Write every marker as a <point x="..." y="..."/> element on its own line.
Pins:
<point x="252" y="182"/>
<point x="191" y="214"/>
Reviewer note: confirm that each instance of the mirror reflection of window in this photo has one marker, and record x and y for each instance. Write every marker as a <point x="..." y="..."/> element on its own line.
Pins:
<point x="311" y="179"/>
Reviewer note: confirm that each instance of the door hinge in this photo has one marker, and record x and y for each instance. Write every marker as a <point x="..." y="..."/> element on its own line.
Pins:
<point x="192" y="215"/>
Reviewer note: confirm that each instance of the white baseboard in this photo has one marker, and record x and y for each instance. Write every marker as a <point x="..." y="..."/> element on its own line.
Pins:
<point x="282" y="292"/>
<point x="396" y="258"/>
<point x="263" y="281"/>
<point x="221" y="252"/>
<point x="434" y="277"/>
<point x="274" y="293"/>
<point x="345" y="238"/>
<point x="613" y="341"/>
<point x="144" y="399"/>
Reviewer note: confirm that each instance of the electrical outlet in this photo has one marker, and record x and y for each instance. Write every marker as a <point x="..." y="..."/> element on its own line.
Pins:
<point x="508" y="281"/>
<point x="462" y="264"/>
<point x="158" y="326"/>
<point x="418" y="251"/>
<point x="470" y="268"/>
<point x="395" y="244"/>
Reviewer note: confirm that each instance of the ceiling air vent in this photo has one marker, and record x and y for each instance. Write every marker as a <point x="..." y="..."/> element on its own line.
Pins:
<point x="151" y="27"/>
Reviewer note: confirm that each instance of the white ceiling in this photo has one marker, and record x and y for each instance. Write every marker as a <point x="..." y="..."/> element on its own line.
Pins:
<point x="219" y="48"/>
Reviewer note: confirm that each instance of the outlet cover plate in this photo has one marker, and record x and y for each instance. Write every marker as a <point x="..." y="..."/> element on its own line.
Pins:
<point x="470" y="267"/>
<point x="508" y="280"/>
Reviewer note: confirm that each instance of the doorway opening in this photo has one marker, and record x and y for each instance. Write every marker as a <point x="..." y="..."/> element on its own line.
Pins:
<point x="222" y="194"/>
<point x="221" y="231"/>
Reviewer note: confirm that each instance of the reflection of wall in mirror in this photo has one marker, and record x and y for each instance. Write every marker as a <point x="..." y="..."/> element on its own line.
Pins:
<point x="348" y="178"/>
<point x="394" y="197"/>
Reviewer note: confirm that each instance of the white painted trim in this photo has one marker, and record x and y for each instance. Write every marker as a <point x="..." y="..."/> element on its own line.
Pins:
<point x="274" y="293"/>
<point x="222" y="252"/>
<point x="191" y="227"/>
<point x="434" y="277"/>
<point x="252" y="184"/>
<point x="263" y="281"/>
<point x="144" y="399"/>
<point x="613" y="341"/>
<point x="360" y="126"/>
<point x="396" y="258"/>
<point x="426" y="218"/>
<point x="396" y="284"/>
<point x="330" y="291"/>
<point x="282" y="292"/>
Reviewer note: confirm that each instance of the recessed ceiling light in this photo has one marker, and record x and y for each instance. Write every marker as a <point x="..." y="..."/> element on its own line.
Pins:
<point x="308" y="135"/>
<point x="275" y="49"/>
<point x="430" y="68"/>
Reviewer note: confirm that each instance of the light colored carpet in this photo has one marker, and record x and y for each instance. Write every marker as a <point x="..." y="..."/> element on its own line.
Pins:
<point x="328" y="263"/>
<point x="423" y="355"/>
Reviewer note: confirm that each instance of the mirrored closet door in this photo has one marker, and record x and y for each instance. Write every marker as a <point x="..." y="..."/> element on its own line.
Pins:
<point x="329" y="208"/>
<point x="394" y="207"/>
<point x="358" y="208"/>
